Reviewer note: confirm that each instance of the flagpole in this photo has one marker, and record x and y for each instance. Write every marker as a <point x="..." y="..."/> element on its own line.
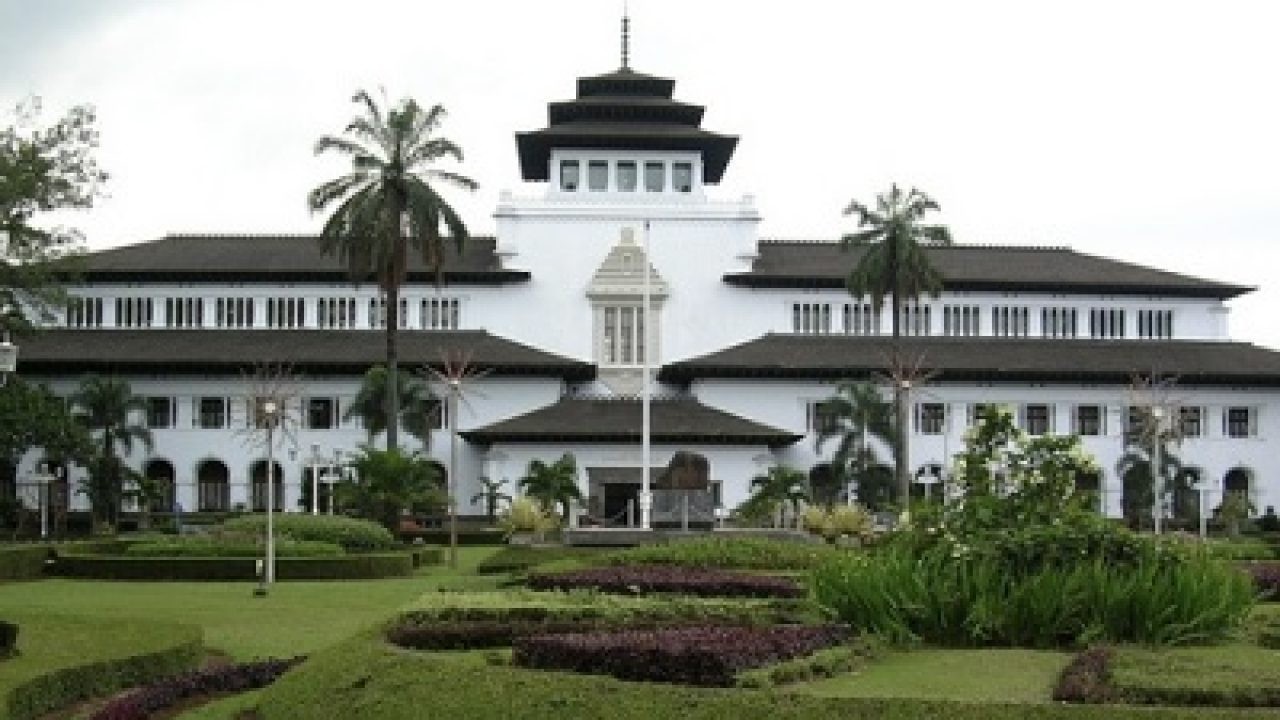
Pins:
<point x="646" y="495"/>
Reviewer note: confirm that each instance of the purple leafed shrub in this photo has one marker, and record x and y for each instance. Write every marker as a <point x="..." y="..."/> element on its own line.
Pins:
<point x="707" y="656"/>
<point x="1087" y="678"/>
<point x="1266" y="576"/>
<point x="638" y="579"/>
<point x="141" y="703"/>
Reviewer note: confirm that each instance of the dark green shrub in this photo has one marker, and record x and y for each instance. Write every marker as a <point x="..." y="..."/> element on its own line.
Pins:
<point x="8" y="638"/>
<point x="23" y="562"/>
<point x="343" y="567"/>
<point x="230" y="546"/>
<point x="352" y="534"/>
<point x="730" y="553"/>
<point x="1269" y="522"/>
<point x="437" y="536"/>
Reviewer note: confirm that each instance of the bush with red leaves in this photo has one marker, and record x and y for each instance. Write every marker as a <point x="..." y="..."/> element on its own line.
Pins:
<point x="1266" y="576"/>
<point x="1087" y="678"/>
<point x="637" y="579"/>
<point x="706" y="656"/>
<point x="141" y="703"/>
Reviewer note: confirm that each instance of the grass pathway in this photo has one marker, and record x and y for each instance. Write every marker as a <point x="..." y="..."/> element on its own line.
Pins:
<point x="989" y="675"/>
<point x="295" y="618"/>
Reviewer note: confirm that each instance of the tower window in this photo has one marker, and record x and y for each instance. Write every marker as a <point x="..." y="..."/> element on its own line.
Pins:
<point x="682" y="177"/>
<point x="569" y="175"/>
<point x="627" y="176"/>
<point x="655" y="176"/>
<point x="597" y="175"/>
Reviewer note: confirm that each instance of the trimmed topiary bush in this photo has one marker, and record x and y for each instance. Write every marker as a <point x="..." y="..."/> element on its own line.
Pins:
<point x="730" y="553"/>
<point x="242" y="546"/>
<point x="352" y="534"/>
<point x="23" y="562"/>
<point x="8" y="638"/>
<point x="707" y="656"/>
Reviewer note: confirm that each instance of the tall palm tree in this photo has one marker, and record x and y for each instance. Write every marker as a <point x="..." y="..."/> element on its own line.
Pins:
<point x="387" y="204"/>
<point x="858" y="416"/>
<point x="553" y="484"/>
<point x="419" y="408"/>
<point x="894" y="265"/>
<point x="107" y="407"/>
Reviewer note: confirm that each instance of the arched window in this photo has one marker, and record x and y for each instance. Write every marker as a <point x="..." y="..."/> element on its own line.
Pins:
<point x="258" y="477"/>
<point x="213" y="486"/>
<point x="1089" y="484"/>
<point x="159" y="474"/>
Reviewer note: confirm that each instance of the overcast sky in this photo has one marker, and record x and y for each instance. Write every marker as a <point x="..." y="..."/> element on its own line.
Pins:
<point x="1145" y="131"/>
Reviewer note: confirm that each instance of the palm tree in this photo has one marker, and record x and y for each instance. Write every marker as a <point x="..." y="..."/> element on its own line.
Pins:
<point x="387" y="204"/>
<point x="856" y="414"/>
<point x="553" y="484"/>
<point x="106" y="407"/>
<point x="419" y="408"/>
<point x="895" y="265"/>
<point x="773" y="490"/>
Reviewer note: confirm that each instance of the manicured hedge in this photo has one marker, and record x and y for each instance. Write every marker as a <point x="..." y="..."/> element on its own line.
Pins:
<point x="8" y="638"/>
<point x="465" y="537"/>
<point x="732" y="553"/>
<point x="353" y="534"/>
<point x="707" y="656"/>
<point x="423" y="556"/>
<point x="348" y="567"/>
<point x="141" y="703"/>
<point x="65" y="686"/>
<point x="659" y="578"/>
<point x="23" y="562"/>
<point x="241" y="547"/>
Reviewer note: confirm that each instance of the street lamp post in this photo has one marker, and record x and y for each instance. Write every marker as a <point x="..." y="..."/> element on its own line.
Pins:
<point x="1202" y="489"/>
<point x="1157" y="477"/>
<point x="316" y="463"/>
<point x="44" y="477"/>
<point x="269" y="410"/>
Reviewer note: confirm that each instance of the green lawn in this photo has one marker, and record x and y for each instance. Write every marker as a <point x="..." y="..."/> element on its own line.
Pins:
<point x="993" y="675"/>
<point x="296" y="617"/>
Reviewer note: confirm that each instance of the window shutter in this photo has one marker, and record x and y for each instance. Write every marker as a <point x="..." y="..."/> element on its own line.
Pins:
<point x="195" y="411"/>
<point x="1253" y="421"/>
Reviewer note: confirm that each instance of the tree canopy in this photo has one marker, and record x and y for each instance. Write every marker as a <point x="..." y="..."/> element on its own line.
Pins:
<point x="42" y="170"/>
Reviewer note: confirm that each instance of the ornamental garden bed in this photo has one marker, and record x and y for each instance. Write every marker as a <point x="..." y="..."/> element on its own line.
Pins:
<point x="1236" y="675"/>
<point x="707" y="655"/>
<point x="637" y="579"/>
<point x="174" y="690"/>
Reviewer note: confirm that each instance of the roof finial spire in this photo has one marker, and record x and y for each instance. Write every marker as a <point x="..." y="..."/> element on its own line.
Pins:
<point x="626" y="37"/>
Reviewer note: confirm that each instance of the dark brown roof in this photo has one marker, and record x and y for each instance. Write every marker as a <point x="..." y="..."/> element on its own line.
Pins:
<point x="617" y="420"/>
<point x="988" y="359"/>
<point x="313" y="351"/>
<point x="981" y="267"/>
<point x="273" y="258"/>
<point x="624" y="110"/>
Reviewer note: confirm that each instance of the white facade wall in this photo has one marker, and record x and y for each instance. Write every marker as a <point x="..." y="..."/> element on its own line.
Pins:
<point x="784" y="404"/>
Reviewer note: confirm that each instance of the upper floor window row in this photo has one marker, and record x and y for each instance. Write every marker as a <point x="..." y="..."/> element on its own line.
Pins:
<point x="326" y="313"/>
<point x="1155" y="324"/>
<point x="626" y="175"/>
<point x="811" y="318"/>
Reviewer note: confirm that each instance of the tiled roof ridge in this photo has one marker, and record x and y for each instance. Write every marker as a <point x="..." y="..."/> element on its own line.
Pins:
<point x="954" y="246"/>
<point x="262" y="235"/>
<point x="666" y="397"/>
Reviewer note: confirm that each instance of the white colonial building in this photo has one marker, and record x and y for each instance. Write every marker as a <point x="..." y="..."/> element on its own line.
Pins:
<point x="746" y="336"/>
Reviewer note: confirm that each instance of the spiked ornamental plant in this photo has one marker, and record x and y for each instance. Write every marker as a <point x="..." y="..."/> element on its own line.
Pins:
<point x="893" y="237"/>
<point x="860" y="420"/>
<point x="387" y="204"/>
